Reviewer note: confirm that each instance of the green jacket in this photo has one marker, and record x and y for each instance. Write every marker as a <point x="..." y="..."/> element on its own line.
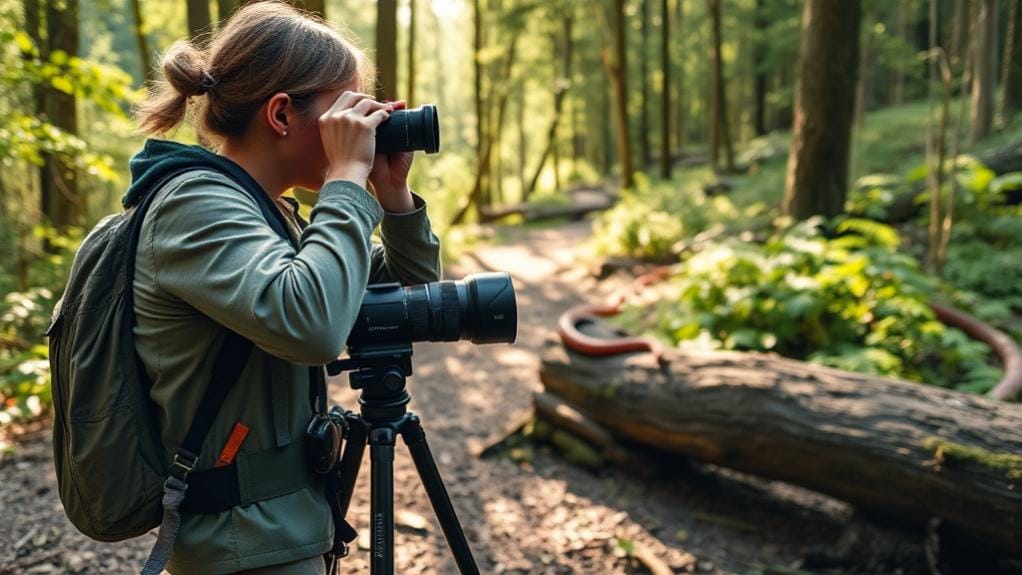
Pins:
<point x="206" y="259"/>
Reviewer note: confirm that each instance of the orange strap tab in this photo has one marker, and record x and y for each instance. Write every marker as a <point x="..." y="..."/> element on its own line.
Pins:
<point x="238" y="435"/>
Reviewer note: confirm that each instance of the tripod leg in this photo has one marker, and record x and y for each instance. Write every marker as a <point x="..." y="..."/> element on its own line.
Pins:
<point x="415" y="439"/>
<point x="351" y="459"/>
<point x="381" y="504"/>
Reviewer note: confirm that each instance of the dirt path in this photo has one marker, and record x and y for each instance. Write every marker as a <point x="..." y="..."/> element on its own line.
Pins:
<point x="547" y="517"/>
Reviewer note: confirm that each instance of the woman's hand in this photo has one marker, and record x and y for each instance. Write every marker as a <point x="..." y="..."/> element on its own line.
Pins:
<point x="389" y="177"/>
<point x="348" y="131"/>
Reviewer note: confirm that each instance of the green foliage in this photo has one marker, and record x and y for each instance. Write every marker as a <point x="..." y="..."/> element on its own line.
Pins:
<point x="838" y="295"/>
<point x="652" y="221"/>
<point x="24" y="317"/>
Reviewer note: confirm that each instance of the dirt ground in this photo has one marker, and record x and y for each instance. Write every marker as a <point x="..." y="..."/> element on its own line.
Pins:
<point x="545" y="517"/>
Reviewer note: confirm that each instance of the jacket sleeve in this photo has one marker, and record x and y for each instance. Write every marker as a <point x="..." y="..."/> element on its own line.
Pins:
<point x="213" y="249"/>
<point x="410" y="252"/>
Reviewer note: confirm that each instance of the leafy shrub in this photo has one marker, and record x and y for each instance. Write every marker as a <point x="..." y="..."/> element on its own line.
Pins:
<point x="651" y="221"/>
<point x="841" y="296"/>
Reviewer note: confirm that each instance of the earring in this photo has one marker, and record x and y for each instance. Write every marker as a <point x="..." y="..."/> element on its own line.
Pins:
<point x="285" y="132"/>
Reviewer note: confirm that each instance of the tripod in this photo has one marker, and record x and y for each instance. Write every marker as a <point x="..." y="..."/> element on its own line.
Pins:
<point x="380" y="372"/>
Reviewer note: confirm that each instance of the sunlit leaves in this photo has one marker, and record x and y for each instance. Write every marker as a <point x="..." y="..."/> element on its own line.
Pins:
<point x="840" y="295"/>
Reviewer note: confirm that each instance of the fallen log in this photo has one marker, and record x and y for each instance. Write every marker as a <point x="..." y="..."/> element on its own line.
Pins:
<point x="899" y="450"/>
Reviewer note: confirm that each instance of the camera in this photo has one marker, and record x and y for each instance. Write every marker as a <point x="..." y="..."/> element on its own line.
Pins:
<point x="480" y="308"/>
<point x="409" y="131"/>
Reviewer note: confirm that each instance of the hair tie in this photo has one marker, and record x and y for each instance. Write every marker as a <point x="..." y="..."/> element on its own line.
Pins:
<point x="207" y="83"/>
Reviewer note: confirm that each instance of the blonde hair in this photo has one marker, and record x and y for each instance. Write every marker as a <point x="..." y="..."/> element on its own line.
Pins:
<point x="264" y="48"/>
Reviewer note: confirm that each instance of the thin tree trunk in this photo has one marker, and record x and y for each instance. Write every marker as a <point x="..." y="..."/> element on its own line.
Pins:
<point x="224" y="9"/>
<point x="935" y="143"/>
<point x="386" y="49"/>
<point x="759" y="120"/>
<point x="619" y="76"/>
<point x="720" y="133"/>
<point x="64" y="206"/>
<point x="561" y="86"/>
<point x="984" y="69"/>
<point x="1011" y="71"/>
<point x="522" y="141"/>
<point x="199" y="20"/>
<point x="143" y="44"/>
<point x="966" y="63"/>
<point x="644" y="84"/>
<point x="817" y="177"/>
<point x="483" y="164"/>
<point x="665" y="90"/>
<point x="898" y="90"/>
<point x="682" y="101"/>
<point x="410" y="95"/>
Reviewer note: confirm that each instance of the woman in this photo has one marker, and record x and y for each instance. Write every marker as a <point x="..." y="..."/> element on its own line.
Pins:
<point x="280" y="94"/>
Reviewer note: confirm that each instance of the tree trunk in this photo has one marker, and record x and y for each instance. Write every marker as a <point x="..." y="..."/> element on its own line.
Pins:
<point x="682" y="101"/>
<point x="483" y="163"/>
<point x="386" y="49"/>
<point x="644" y="85"/>
<point x="720" y="133"/>
<point x="561" y="86"/>
<point x="665" y="90"/>
<point x="199" y="20"/>
<point x="224" y="9"/>
<point x="1011" y="101"/>
<point x="984" y="70"/>
<point x="410" y="95"/>
<point x="817" y="179"/>
<point x="144" y="54"/>
<point x="760" y="91"/>
<point x="619" y="77"/>
<point x="906" y="451"/>
<point x="62" y="203"/>
<point x="898" y="90"/>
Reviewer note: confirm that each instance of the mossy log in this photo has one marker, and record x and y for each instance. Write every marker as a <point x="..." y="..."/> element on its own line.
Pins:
<point x="905" y="451"/>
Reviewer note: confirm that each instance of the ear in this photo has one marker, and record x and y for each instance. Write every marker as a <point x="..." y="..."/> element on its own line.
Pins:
<point x="279" y="112"/>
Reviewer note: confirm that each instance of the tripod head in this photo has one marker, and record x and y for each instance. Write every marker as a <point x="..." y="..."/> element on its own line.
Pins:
<point x="380" y="372"/>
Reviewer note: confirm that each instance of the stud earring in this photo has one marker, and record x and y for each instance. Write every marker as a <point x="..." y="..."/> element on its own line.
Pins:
<point x="285" y="132"/>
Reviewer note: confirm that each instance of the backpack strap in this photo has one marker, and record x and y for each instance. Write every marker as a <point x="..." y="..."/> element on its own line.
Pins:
<point x="227" y="368"/>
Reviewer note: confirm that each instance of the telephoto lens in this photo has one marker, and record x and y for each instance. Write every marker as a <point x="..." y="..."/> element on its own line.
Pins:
<point x="409" y="131"/>
<point x="480" y="308"/>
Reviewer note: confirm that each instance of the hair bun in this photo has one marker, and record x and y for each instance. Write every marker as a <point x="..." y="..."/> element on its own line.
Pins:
<point x="183" y="67"/>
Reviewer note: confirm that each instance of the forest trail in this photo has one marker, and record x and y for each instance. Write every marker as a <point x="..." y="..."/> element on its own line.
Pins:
<point x="544" y="517"/>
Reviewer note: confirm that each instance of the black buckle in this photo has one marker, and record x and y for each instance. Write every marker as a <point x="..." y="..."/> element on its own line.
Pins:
<point x="183" y="464"/>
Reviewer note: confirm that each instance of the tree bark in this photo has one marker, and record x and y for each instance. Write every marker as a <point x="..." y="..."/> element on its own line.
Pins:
<point x="720" y="133"/>
<point x="561" y="86"/>
<point x="682" y="102"/>
<point x="619" y="77"/>
<point x="1011" y="101"/>
<point x="145" y="56"/>
<point x="199" y="19"/>
<point x="644" y="85"/>
<point x="410" y="95"/>
<point x="906" y="451"/>
<point x="665" y="90"/>
<point x="386" y="49"/>
<point x="984" y="70"/>
<point x="817" y="178"/>
<point x="62" y="202"/>
<point x="483" y="163"/>
<point x="224" y="9"/>
<point x="759" y="57"/>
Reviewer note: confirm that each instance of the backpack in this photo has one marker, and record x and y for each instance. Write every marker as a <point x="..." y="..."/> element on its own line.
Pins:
<point x="113" y="474"/>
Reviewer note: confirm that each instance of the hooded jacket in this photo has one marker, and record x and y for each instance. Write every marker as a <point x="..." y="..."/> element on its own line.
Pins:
<point x="209" y="258"/>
